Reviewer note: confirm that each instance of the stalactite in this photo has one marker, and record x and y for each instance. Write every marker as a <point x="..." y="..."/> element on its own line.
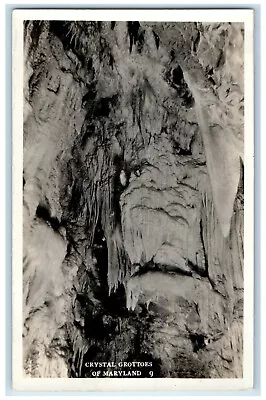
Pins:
<point x="80" y="348"/>
<point x="222" y="155"/>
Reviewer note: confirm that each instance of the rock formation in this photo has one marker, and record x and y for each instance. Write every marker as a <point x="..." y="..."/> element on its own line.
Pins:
<point x="133" y="197"/>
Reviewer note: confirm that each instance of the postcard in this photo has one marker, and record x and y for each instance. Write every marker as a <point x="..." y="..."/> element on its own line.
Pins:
<point x="133" y="194"/>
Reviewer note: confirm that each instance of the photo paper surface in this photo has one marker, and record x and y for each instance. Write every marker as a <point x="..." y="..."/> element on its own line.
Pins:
<point x="133" y="200"/>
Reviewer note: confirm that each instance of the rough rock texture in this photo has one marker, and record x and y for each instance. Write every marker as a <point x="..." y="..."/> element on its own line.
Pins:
<point x="133" y="197"/>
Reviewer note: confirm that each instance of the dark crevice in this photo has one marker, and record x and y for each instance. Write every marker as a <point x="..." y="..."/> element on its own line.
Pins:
<point x="212" y="81"/>
<point x="76" y="198"/>
<point x="155" y="267"/>
<point x="198" y="341"/>
<point x="196" y="43"/>
<point x="100" y="251"/>
<point x="90" y="96"/>
<point x="175" y="79"/>
<point x="157" y="40"/>
<point x="34" y="82"/>
<point x="178" y="75"/>
<point x="43" y="213"/>
<point x="69" y="39"/>
<point x="37" y="27"/>
<point x="181" y="151"/>
<point x="198" y="270"/>
<point x="102" y="107"/>
<point x="221" y="60"/>
<point x="133" y="32"/>
<point x="172" y="55"/>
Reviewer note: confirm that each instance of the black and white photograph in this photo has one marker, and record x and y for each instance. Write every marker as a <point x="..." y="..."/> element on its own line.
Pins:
<point x="133" y="261"/>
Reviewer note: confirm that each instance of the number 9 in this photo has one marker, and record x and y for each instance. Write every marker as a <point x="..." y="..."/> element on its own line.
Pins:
<point x="151" y="373"/>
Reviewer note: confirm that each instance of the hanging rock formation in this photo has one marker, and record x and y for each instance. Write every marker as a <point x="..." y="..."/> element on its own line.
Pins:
<point x="133" y="197"/>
